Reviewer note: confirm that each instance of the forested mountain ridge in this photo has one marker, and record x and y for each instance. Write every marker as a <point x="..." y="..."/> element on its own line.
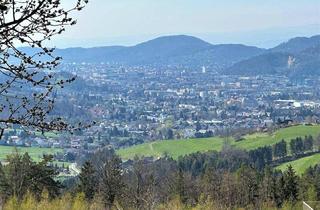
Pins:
<point x="180" y="50"/>
<point x="297" y="57"/>
<point x="297" y="45"/>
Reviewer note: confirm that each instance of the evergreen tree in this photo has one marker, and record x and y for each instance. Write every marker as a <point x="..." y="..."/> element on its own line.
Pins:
<point x="296" y="146"/>
<point x="308" y="143"/>
<point x="276" y="189"/>
<point x="88" y="182"/>
<point x="280" y="149"/>
<point x="281" y="191"/>
<point x="261" y="157"/>
<point x="291" y="185"/>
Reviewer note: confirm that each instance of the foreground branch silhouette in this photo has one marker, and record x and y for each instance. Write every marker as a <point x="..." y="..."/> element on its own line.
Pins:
<point x="27" y="80"/>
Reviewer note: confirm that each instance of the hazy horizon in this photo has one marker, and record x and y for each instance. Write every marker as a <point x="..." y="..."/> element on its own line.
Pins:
<point x="261" y="40"/>
<point x="259" y="23"/>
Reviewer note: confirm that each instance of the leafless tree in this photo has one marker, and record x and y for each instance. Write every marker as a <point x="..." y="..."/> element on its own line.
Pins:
<point x="27" y="80"/>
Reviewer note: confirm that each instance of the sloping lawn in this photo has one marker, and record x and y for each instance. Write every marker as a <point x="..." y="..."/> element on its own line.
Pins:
<point x="176" y="148"/>
<point x="302" y="164"/>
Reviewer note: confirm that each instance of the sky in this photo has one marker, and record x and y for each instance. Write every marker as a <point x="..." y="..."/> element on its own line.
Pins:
<point x="263" y="23"/>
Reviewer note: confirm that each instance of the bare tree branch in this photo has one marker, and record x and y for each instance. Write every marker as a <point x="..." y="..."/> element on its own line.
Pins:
<point x="27" y="80"/>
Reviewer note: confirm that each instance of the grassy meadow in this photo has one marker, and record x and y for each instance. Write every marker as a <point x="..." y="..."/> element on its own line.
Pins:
<point x="176" y="148"/>
<point x="302" y="164"/>
<point x="35" y="153"/>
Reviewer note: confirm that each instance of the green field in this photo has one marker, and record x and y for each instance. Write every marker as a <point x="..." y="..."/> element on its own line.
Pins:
<point x="302" y="164"/>
<point x="176" y="148"/>
<point x="172" y="148"/>
<point x="35" y="152"/>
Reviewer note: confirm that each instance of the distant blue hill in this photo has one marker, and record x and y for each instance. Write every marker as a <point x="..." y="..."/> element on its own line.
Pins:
<point x="164" y="51"/>
<point x="192" y="52"/>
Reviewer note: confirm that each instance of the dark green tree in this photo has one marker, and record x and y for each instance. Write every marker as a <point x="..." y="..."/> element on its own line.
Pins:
<point x="291" y="185"/>
<point x="280" y="191"/>
<point x="261" y="157"/>
<point x="296" y="146"/>
<point x="280" y="149"/>
<point x="276" y="195"/>
<point x="88" y="181"/>
<point x="308" y="143"/>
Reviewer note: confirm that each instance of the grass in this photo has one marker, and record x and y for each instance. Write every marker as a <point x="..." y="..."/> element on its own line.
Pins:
<point x="176" y="148"/>
<point x="35" y="152"/>
<point x="256" y="140"/>
<point x="172" y="148"/>
<point x="302" y="164"/>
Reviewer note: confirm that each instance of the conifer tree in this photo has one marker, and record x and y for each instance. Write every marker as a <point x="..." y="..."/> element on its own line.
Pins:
<point x="291" y="185"/>
<point x="280" y="149"/>
<point x="88" y="182"/>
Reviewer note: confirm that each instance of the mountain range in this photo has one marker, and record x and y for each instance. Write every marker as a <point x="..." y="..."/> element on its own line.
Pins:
<point x="298" y="56"/>
<point x="164" y="51"/>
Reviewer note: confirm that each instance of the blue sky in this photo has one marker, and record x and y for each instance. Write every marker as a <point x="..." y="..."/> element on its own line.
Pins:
<point x="255" y="22"/>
